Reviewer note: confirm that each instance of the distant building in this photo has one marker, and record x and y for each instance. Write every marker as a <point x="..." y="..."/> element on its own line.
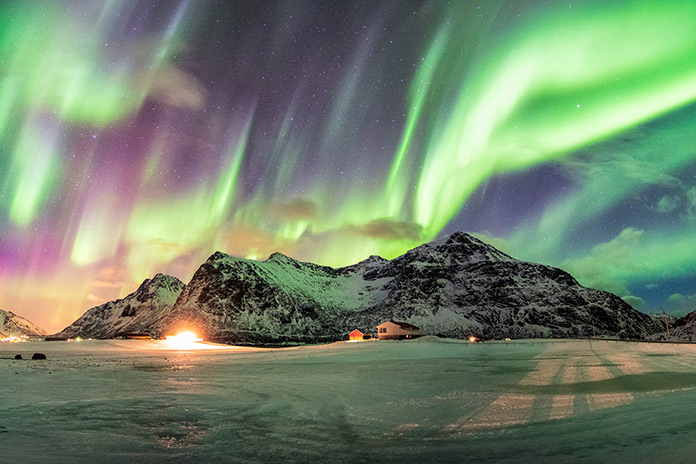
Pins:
<point x="393" y="330"/>
<point x="355" y="335"/>
<point x="137" y="336"/>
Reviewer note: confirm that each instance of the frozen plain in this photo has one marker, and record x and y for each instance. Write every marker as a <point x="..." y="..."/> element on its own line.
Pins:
<point x="426" y="400"/>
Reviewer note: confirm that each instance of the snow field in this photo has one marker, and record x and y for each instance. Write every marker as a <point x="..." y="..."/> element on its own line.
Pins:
<point x="426" y="400"/>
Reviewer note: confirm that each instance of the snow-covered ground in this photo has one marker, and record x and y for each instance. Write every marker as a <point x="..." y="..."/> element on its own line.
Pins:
<point x="410" y="401"/>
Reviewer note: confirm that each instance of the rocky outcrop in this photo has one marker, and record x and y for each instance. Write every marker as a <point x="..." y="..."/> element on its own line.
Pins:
<point x="683" y="328"/>
<point x="454" y="287"/>
<point x="14" y="325"/>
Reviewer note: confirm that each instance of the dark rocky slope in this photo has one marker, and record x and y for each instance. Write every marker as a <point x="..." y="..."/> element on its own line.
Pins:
<point x="137" y="312"/>
<point x="14" y="325"/>
<point x="454" y="287"/>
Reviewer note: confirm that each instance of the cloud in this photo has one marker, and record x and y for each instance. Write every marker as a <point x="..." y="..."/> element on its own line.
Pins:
<point x="389" y="229"/>
<point x="635" y="301"/>
<point x="684" y="201"/>
<point x="676" y="298"/>
<point x="164" y="82"/>
<point x="173" y="87"/>
<point x="168" y="245"/>
<point x="296" y="209"/>
<point x="691" y="201"/>
<point x="247" y="241"/>
<point x="109" y="277"/>
<point x="609" y="265"/>
<point x="667" y="204"/>
<point x="677" y="303"/>
<point x="94" y="299"/>
<point x="106" y="284"/>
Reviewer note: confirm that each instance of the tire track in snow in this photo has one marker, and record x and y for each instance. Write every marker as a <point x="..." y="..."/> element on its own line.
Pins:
<point x="608" y="369"/>
<point x="516" y="407"/>
<point x="510" y="408"/>
<point x="563" y="406"/>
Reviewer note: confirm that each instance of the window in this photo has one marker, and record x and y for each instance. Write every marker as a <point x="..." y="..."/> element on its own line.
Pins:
<point x="383" y="330"/>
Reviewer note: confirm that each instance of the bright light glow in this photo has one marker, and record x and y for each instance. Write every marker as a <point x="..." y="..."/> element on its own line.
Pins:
<point x="187" y="336"/>
<point x="13" y="339"/>
<point x="183" y="340"/>
<point x="473" y="339"/>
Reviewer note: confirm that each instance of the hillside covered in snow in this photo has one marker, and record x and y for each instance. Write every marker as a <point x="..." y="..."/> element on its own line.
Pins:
<point x="454" y="287"/>
<point x="136" y="312"/>
<point x="15" y="326"/>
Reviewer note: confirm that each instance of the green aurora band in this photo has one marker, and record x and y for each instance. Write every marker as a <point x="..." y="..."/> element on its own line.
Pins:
<point x="550" y="90"/>
<point x="563" y="87"/>
<point x="86" y="85"/>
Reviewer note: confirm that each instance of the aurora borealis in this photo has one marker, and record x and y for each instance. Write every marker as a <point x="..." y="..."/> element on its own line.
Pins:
<point x="140" y="137"/>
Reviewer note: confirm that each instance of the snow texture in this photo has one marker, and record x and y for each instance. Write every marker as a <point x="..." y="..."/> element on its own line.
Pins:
<point x="454" y="287"/>
<point x="427" y="400"/>
<point x="683" y="328"/>
<point x="14" y="325"/>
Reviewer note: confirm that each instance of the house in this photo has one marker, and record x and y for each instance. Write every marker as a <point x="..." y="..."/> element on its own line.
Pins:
<point x="393" y="330"/>
<point x="355" y="335"/>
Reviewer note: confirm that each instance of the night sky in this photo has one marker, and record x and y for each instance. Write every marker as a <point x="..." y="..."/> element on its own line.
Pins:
<point x="140" y="137"/>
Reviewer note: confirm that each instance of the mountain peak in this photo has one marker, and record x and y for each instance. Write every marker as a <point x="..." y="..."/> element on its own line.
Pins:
<point x="218" y="255"/>
<point x="136" y="312"/>
<point x="458" y="246"/>
<point x="456" y="286"/>
<point x="12" y="324"/>
<point x="161" y="279"/>
<point x="279" y="257"/>
<point x="160" y="282"/>
<point x="374" y="259"/>
<point x="460" y="237"/>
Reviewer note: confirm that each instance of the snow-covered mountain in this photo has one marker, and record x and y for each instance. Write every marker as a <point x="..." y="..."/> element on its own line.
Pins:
<point x="454" y="287"/>
<point x="136" y="312"/>
<point x="14" y="325"/>
<point x="683" y="328"/>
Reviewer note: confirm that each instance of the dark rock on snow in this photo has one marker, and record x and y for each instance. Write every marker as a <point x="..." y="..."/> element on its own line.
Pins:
<point x="683" y="328"/>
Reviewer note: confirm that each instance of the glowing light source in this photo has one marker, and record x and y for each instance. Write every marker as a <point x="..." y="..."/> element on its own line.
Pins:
<point x="13" y="339"/>
<point x="183" y="340"/>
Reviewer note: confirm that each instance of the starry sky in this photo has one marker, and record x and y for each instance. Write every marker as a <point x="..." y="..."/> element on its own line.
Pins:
<point x="140" y="137"/>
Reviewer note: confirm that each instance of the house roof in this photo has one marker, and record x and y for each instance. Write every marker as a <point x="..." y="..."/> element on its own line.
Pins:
<point x="403" y="325"/>
<point x="356" y="331"/>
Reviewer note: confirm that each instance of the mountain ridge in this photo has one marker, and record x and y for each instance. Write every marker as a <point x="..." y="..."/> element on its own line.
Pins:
<point x="456" y="287"/>
<point x="137" y="312"/>
<point x="12" y="324"/>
